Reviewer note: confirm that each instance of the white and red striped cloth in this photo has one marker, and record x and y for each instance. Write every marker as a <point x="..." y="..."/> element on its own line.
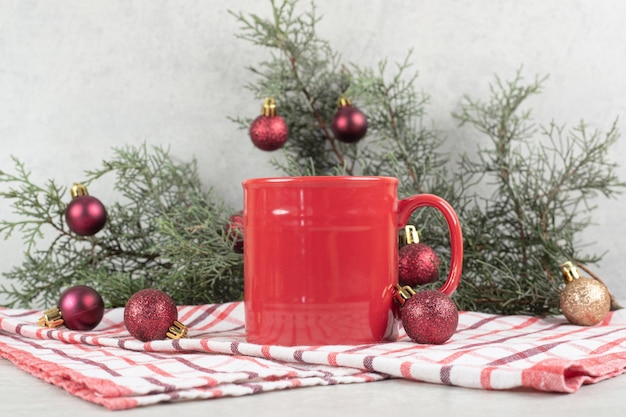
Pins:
<point x="108" y="367"/>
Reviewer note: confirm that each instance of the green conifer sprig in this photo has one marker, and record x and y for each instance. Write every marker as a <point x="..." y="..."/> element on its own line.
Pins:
<point x="162" y="231"/>
<point x="543" y="181"/>
<point x="306" y="77"/>
<point x="524" y="199"/>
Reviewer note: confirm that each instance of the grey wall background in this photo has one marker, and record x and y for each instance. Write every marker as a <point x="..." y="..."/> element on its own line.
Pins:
<point x="80" y="77"/>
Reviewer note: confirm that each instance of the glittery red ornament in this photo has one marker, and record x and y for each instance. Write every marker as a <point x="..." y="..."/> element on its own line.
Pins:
<point x="234" y="231"/>
<point x="269" y="131"/>
<point x="79" y="308"/>
<point x="418" y="264"/>
<point x="85" y="215"/>
<point x="430" y="317"/>
<point x="150" y="314"/>
<point x="349" y="124"/>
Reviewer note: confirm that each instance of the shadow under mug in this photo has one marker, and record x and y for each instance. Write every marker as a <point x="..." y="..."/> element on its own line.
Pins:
<point x="321" y="258"/>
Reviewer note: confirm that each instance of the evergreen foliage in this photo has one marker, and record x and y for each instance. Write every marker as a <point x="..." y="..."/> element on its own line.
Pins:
<point x="165" y="232"/>
<point x="540" y="180"/>
<point x="524" y="199"/>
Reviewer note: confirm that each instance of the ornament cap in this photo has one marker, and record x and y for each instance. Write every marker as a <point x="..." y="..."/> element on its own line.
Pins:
<point x="51" y="318"/>
<point x="411" y="235"/>
<point x="570" y="272"/>
<point x="78" y="190"/>
<point x="343" y="102"/>
<point x="269" y="107"/>
<point x="177" y="331"/>
<point x="403" y="293"/>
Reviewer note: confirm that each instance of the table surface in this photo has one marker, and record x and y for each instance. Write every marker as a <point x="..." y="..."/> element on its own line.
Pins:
<point x="24" y="395"/>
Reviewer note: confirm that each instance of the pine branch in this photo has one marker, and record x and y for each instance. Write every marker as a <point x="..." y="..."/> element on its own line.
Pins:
<point x="166" y="232"/>
<point x="37" y="206"/>
<point x="540" y="205"/>
<point x="542" y="179"/>
<point x="306" y="78"/>
<point x="524" y="199"/>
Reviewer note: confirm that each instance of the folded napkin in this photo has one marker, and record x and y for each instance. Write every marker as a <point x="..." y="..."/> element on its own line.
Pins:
<point x="108" y="367"/>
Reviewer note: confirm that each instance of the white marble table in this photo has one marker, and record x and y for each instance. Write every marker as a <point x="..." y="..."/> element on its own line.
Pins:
<point x="24" y="395"/>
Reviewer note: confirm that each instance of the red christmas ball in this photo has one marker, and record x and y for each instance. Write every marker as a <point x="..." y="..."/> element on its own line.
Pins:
<point x="234" y="230"/>
<point x="349" y="124"/>
<point x="85" y="215"/>
<point x="81" y="307"/>
<point x="430" y="317"/>
<point x="418" y="264"/>
<point x="269" y="133"/>
<point x="149" y="313"/>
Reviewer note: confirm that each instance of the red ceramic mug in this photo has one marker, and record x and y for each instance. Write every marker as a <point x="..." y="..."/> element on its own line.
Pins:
<point x="321" y="258"/>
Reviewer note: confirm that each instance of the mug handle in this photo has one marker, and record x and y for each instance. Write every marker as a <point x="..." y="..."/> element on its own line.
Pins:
<point x="407" y="205"/>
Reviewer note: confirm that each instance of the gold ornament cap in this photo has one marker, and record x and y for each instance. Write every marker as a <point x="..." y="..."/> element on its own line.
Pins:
<point x="410" y="235"/>
<point x="570" y="272"/>
<point x="343" y="102"/>
<point x="269" y="107"/>
<point x="403" y="293"/>
<point x="78" y="190"/>
<point x="51" y="318"/>
<point x="583" y="301"/>
<point x="177" y="331"/>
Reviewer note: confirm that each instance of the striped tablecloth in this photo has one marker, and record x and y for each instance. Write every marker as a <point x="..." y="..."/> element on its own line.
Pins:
<point x="108" y="367"/>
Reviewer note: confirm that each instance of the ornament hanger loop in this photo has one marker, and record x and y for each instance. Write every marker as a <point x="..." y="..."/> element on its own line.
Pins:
<point x="177" y="331"/>
<point x="51" y="318"/>
<point x="269" y="107"/>
<point x="77" y="190"/>
<point x="403" y="293"/>
<point x="570" y="272"/>
<point x="411" y="235"/>
<point x="343" y="102"/>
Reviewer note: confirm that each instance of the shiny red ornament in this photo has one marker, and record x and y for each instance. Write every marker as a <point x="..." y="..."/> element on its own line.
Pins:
<point x="418" y="264"/>
<point x="269" y="131"/>
<point x="149" y="315"/>
<point x="234" y="231"/>
<point x="79" y="308"/>
<point x="349" y="124"/>
<point x="85" y="215"/>
<point x="429" y="317"/>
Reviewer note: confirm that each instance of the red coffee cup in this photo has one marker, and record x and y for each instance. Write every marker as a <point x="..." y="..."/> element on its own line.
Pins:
<point x="321" y="258"/>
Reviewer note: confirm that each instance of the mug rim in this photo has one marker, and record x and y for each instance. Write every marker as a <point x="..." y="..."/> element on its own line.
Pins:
<point x="319" y="179"/>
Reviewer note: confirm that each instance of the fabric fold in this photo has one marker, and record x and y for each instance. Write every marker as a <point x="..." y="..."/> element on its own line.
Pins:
<point x="108" y="367"/>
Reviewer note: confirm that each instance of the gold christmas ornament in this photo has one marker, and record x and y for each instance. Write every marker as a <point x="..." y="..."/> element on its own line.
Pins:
<point x="584" y="301"/>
